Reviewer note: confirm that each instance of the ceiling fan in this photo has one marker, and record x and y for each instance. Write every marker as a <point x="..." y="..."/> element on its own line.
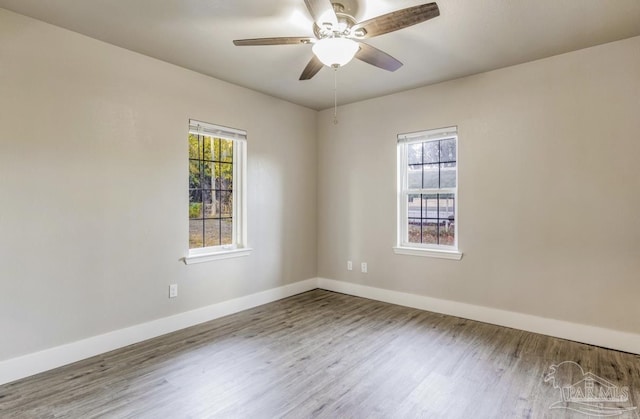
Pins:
<point x="338" y="37"/>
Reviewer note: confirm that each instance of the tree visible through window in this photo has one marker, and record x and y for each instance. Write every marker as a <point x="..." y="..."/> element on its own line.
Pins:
<point x="214" y="179"/>
<point x="210" y="191"/>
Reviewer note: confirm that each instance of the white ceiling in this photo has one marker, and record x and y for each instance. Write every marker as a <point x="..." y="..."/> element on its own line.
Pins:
<point x="469" y="37"/>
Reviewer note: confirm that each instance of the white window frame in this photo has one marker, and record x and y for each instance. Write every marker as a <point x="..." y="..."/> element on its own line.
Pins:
<point x="403" y="246"/>
<point x="239" y="192"/>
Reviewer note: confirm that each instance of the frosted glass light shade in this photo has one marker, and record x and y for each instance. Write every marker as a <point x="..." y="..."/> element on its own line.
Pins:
<point x="335" y="52"/>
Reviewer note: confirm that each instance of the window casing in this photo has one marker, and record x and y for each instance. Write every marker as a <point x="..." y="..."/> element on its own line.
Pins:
<point x="428" y="193"/>
<point x="217" y="192"/>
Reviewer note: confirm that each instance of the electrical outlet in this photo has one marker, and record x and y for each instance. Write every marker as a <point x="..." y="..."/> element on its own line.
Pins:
<point x="363" y="267"/>
<point x="173" y="290"/>
<point x="349" y="265"/>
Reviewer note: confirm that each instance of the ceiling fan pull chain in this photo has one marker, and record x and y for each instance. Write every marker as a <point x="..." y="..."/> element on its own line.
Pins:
<point x="335" y="95"/>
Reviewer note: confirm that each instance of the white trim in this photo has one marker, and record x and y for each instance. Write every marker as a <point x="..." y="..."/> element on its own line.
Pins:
<point x="608" y="338"/>
<point x="403" y="190"/>
<point x="434" y="253"/>
<point x="216" y="131"/>
<point x="239" y="208"/>
<point x="240" y="199"/>
<point x="430" y="191"/>
<point x="33" y="363"/>
<point x="428" y="135"/>
<point x="30" y="364"/>
<point x="208" y="257"/>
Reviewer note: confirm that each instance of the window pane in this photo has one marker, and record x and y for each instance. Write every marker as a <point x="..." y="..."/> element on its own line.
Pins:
<point x="207" y="175"/>
<point x="212" y="232"/>
<point x="194" y="174"/>
<point x="195" y="233"/>
<point x="194" y="147"/>
<point x="227" y="231"/>
<point x="430" y="232"/>
<point x="430" y="206"/>
<point x="208" y="148"/>
<point x="216" y="149"/>
<point x="447" y="233"/>
<point x="447" y="150"/>
<point x="224" y="176"/>
<point x="414" y="205"/>
<point x="224" y="151"/>
<point x="414" y="153"/>
<point x="448" y="175"/>
<point x="225" y="201"/>
<point x="430" y="176"/>
<point x="414" y="231"/>
<point x="210" y="207"/>
<point x="431" y="151"/>
<point x="414" y="175"/>
<point x="195" y="204"/>
<point x="446" y="206"/>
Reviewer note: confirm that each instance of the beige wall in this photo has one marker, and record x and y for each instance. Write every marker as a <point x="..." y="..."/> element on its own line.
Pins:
<point x="93" y="178"/>
<point x="549" y="188"/>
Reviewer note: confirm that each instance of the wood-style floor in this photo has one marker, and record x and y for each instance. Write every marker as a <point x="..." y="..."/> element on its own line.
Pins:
<point x="323" y="354"/>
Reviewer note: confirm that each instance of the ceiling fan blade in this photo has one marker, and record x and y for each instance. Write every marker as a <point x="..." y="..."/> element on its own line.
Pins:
<point x="311" y="69"/>
<point x="286" y="40"/>
<point x="397" y="20"/>
<point x="322" y="12"/>
<point x="374" y="56"/>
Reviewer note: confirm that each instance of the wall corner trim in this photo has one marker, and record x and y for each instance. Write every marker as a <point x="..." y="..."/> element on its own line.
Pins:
<point x="592" y="335"/>
<point x="30" y="364"/>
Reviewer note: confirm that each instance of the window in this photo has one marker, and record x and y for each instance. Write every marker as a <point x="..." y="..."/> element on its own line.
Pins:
<point x="427" y="193"/>
<point x="217" y="211"/>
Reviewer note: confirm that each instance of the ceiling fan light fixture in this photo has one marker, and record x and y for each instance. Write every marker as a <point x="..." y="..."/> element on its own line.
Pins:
<point x="335" y="52"/>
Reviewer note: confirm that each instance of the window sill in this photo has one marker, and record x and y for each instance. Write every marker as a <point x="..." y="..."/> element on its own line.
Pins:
<point x="208" y="257"/>
<point x="433" y="253"/>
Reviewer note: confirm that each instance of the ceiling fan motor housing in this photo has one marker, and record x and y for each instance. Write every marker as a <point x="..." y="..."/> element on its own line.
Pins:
<point x="343" y="29"/>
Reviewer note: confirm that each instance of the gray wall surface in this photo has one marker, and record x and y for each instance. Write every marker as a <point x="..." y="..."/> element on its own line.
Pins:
<point x="548" y="179"/>
<point x="93" y="188"/>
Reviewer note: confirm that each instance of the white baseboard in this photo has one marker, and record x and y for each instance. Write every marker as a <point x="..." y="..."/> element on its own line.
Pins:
<point x="30" y="364"/>
<point x="608" y="338"/>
